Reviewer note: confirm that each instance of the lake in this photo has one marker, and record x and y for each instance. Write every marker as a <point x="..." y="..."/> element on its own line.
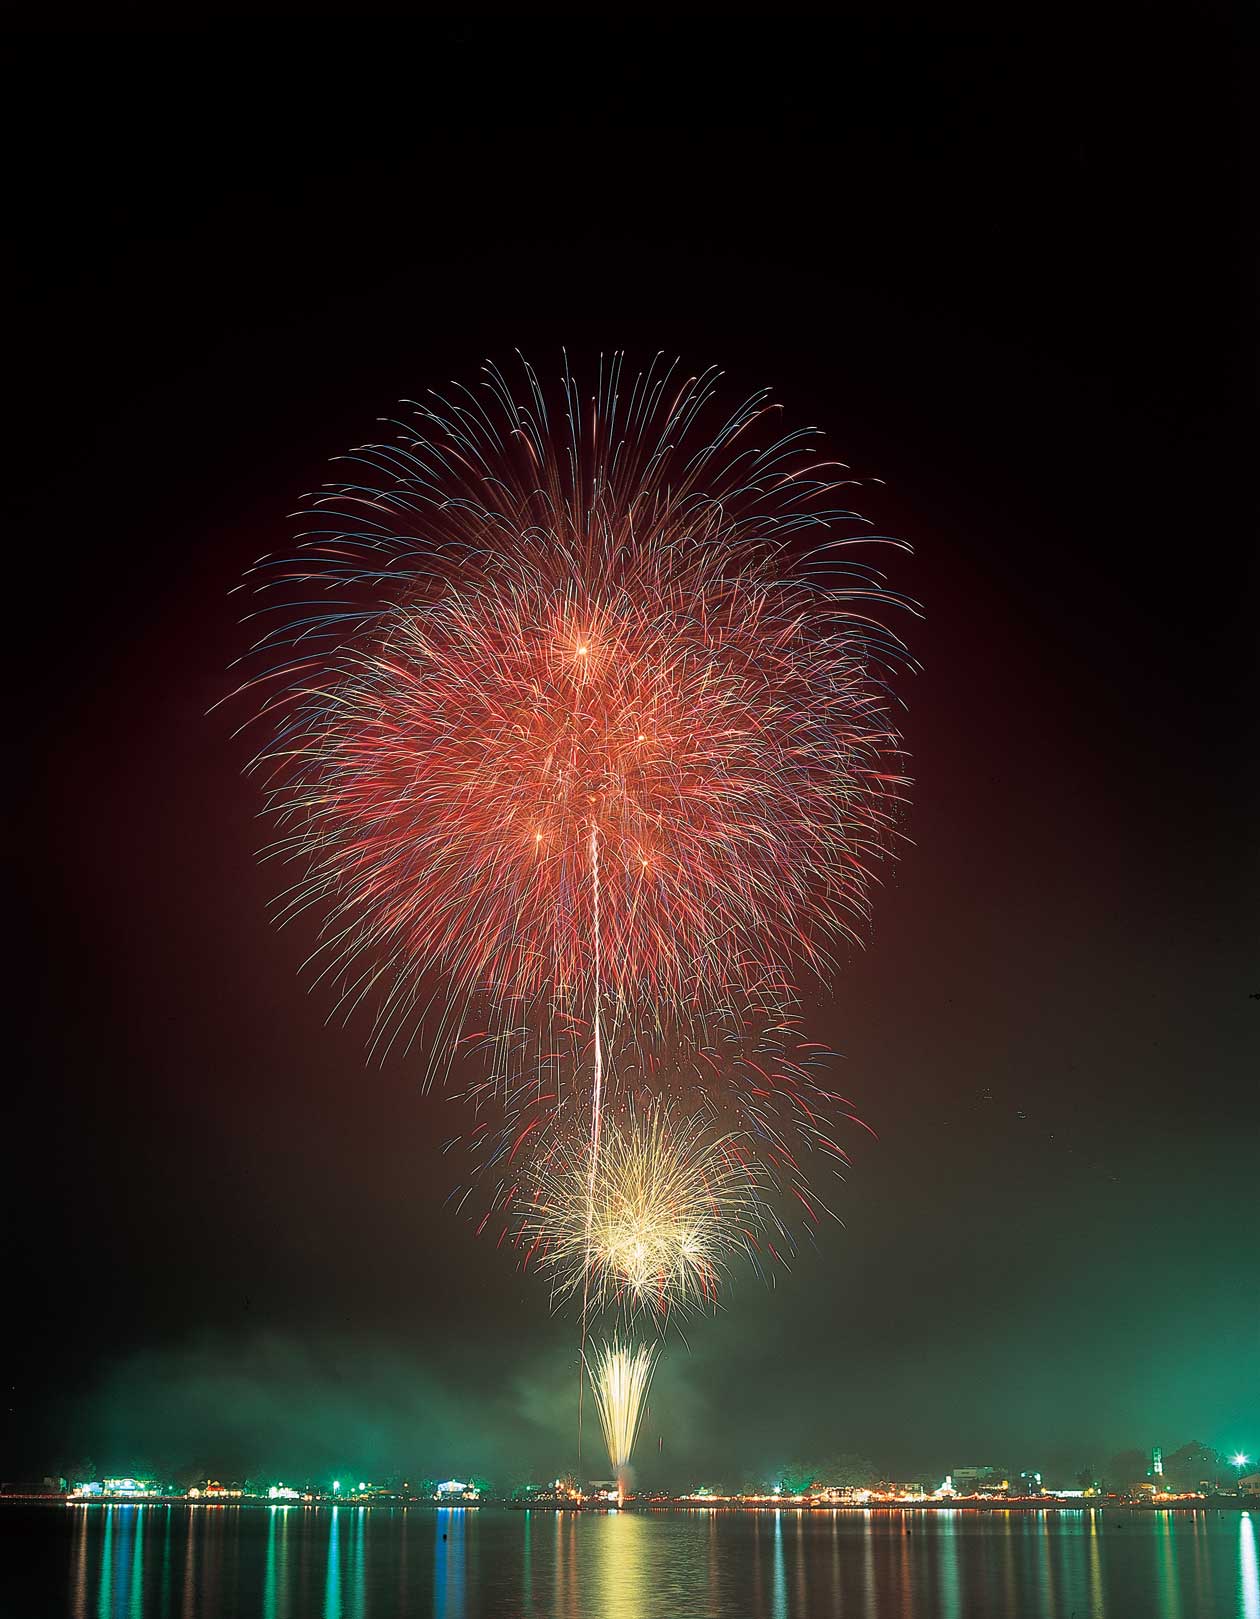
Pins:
<point x="141" y="1562"/>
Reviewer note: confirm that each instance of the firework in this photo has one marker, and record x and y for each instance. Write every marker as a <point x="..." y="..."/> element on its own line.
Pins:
<point x="756" y="1096"/>
<point x="655" y="1227"/>
<point x="577" y="731"/>
<point x="589" y="713"/>
<point x="620" y="1377"/>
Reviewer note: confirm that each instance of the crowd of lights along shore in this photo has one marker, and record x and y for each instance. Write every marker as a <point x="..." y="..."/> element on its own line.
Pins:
<point x="574" y="719"/>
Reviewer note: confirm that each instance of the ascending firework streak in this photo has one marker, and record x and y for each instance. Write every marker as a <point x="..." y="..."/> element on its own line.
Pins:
<point x="620" y="1379"/>
<point x="597" y="1097"/>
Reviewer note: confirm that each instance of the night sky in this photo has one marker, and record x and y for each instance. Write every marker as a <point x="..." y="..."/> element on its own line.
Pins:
<point x="1007" y="275"/>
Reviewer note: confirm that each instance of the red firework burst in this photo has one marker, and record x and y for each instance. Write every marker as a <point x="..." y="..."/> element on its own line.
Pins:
<point x="593" y="714"/>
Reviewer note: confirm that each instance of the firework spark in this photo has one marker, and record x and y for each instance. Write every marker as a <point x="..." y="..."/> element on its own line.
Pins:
<point x="498" y="648"/>
<point x="621" y="1375"/>
<point x="652" y="1222"/>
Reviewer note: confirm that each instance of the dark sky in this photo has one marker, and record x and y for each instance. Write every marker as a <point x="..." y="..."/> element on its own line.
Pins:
<point x="1006" y="273"/>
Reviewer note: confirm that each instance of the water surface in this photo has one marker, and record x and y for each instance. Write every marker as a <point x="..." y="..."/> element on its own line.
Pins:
<point x="142" y="1562"/>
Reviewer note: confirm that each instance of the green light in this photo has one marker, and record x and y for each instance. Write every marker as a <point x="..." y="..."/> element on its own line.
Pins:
<point x="1239" y="1460"/>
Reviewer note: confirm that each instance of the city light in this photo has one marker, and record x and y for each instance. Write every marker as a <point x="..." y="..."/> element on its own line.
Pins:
<point x="1196" y="1474"/>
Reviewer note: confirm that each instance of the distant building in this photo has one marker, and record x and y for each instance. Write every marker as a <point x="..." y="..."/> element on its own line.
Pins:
<point x="452" y="1490"/>
<point x="1249" y="1484"/>
<point x="131" y="1486"/>
<point x="978" y="1481"/>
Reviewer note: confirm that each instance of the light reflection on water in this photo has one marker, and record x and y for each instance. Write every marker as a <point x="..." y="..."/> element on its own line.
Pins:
<point x="951" y="1607"/>
<point x="160" y="1562"/>
<point x="448" y="1564"/>
<point x="1248" y="1574"/>
<point x="1168" y="1587"/>
<point x="332" y="1579"/>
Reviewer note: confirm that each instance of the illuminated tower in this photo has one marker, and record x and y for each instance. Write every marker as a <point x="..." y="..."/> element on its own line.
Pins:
<point x="1157" y="1463"/>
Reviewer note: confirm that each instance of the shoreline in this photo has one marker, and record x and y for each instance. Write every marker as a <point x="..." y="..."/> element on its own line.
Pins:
<point x="1218" y="1504"/>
